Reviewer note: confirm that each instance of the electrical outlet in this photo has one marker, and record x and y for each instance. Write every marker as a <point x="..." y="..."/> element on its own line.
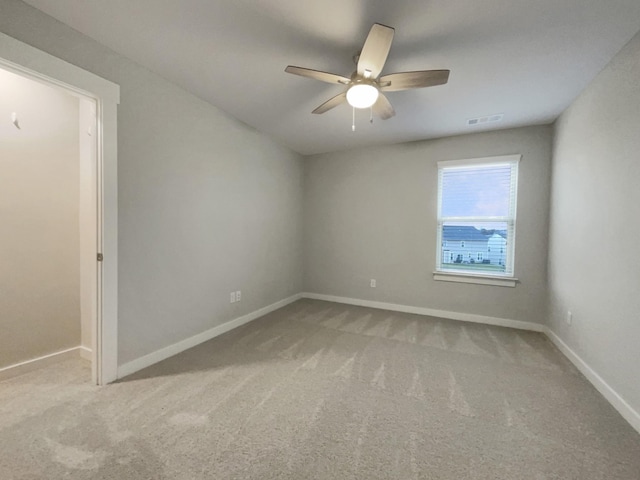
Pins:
<point x="569" y="317"/>
<point x="373" y="283"/>
<point x="238" y="296"/>
<point x="232" y="297"/>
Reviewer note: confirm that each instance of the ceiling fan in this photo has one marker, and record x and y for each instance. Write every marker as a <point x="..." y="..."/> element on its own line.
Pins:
<point x="365" y="87"/>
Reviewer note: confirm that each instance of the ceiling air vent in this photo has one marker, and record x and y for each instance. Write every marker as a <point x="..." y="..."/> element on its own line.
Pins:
<point x="486" y="119"/>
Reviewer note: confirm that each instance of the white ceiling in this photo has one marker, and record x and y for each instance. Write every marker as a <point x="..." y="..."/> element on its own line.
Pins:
<point x="526" y="59"/>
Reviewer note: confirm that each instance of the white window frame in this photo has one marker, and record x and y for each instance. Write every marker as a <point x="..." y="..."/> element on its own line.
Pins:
<point x="505" y="279"/>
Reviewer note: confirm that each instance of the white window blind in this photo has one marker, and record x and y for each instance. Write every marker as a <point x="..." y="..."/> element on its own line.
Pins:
<point x="477" y="215"/>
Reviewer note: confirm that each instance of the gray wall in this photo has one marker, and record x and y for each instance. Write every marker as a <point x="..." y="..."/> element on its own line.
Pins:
<point x="207" y="205"/>
<point x="39" y="245"/>
<point x="371" y="213"/>
<point x="594" y="263"/>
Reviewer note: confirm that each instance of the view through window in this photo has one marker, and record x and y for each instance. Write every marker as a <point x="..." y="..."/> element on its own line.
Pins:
<point x="477" y="215"/>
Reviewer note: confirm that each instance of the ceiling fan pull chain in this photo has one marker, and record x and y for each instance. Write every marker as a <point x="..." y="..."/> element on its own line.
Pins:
<point x="353" y="120"/>
<point x="371" y="117"/>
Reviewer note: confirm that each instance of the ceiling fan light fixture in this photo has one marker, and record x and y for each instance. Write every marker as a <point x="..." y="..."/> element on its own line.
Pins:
<point x="362" y="95"/>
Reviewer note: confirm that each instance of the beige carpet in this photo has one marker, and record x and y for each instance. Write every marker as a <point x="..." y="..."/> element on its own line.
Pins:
<point x="324" y="391"/>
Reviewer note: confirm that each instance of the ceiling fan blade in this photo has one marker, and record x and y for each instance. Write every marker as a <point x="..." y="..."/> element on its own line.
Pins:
<point x="331" y="103"/>
<point x="407" y="80"/>
<point x="375" y="50"/>
<point x="318" y="75"/>
<point x="383" y="108"/>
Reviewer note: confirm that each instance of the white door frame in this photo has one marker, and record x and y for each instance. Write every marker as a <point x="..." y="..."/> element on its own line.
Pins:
<point x="28" y="61"/>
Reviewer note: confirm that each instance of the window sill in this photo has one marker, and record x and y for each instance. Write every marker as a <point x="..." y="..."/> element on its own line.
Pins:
<point x="474" y="278"/>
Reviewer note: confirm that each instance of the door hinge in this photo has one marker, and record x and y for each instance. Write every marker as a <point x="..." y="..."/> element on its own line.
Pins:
<point x="100" y="257"/>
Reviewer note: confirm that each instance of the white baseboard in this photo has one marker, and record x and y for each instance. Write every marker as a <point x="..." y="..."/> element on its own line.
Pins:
<point x="166" y="352"/>
<point x="619" y="403"/>
<point x="86" y="353"/>
<point x="465" y="317"/>
<point x="35" y="363"/>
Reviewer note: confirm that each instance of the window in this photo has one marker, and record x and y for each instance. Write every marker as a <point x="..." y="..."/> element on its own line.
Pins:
<point x="477" y="210"/>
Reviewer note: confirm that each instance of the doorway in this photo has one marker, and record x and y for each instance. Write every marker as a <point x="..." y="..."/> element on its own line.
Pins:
<point x="96" y="103"/>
